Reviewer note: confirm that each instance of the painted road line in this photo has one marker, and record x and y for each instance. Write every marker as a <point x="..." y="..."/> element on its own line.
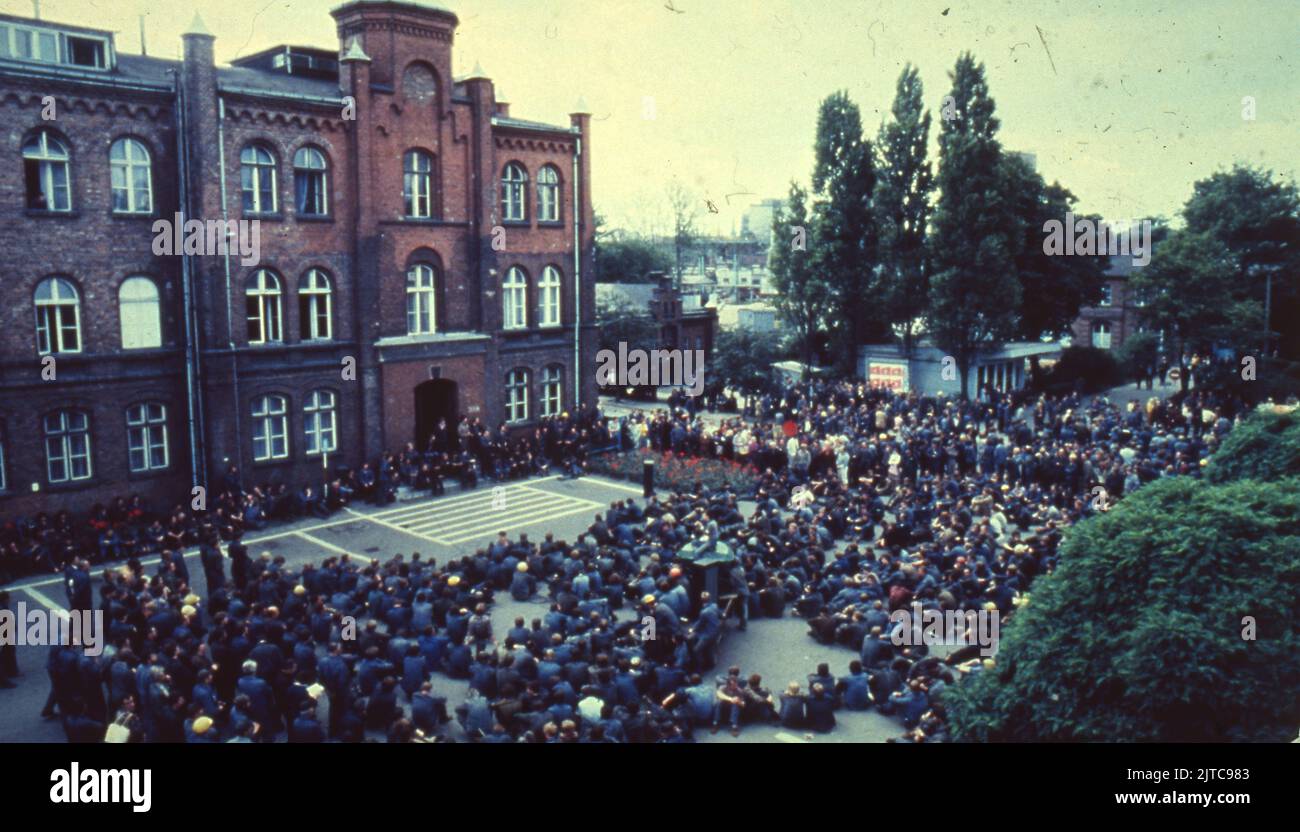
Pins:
<point x="467" y="535"/>
<point x="784" y="737"/>
<point x="540" y="503"/>
<point x="565" y="496"/>
<point x="331" y="547"/>
<point x="446" y="501"/>
<point x="619" y="486"/>
<point x="487" y="506"/>
<point x="443" y="522"/>
<point x="49" y="602"/>
<point x="392" y="526"/>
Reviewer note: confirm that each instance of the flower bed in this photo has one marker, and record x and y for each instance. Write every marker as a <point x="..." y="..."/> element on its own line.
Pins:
<point x="677" y="473"/>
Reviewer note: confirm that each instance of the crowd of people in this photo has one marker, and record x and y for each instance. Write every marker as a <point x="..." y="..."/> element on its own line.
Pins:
<point x="865" y="502"/>
<point x="466" y="453"/>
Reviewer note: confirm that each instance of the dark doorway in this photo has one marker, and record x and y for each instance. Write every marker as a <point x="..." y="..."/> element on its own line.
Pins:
<point x="434" y="401"/>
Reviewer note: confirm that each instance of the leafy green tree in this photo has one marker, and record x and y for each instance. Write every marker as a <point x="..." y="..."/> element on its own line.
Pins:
<point x="629" y="259"/>
<point x="1190" y="293"/>
<point x="902" y="206"/>
<point x="743" y="360"/>
<point x="1139" y="356"/>
<point x="1257" y="218"/>
<point x="1142" y="633"/>
<point x="974" y="299"/>
<point x="1264" y="447"/>
<point x="685" y="212"/>
<point x="843" y="180"/>
<point x="801" y="292"/>
<point x="1052" y="287"/>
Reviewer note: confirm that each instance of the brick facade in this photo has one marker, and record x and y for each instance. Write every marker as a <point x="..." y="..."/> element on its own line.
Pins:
<point x="392" y="74"/>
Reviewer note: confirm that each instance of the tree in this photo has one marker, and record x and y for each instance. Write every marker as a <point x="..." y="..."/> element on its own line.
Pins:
<point x="682" y="205"/>
<point x="902" y="206"/>
<point x="1258" y="220"/>
<point x="1143" y="632"/>
<point x="1190" y="292"/>
<point x="974" y="299"/>
<point x="743" y="360"/>
<point x="1264" y="447"/>
<point x="1052" y="287"/>
<point x="801" y="293"/>
<point x="844" y="232"/>
<point x="629" y="259"/>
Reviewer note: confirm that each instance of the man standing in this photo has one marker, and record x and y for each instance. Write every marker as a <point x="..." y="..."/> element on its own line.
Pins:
<point x="214" y="571"/>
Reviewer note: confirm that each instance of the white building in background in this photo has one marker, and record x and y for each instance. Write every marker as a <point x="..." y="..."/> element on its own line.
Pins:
<point x="757" y="219"/>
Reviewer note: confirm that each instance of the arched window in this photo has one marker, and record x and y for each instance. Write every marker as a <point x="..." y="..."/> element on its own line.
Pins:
<point x="257" y="179"/>
<point x="318" y="422"/>
<point x="548" y="297"/>
<point x="310" y="182"/>
<point x="1101" y="335"/>
<point x="67" y="446"/>
<point x="419" y="83"/>
<point x="514" y="299"/>
<point x="417" y="183"/>
<point x="45" y="165"/>
<point x="548" y="194"/>
<point x="58" y="316"/>
<point x="262" y="294"/>
<point x="552" y="390"/>
<point x="139" y="313"/>
<point x="314" y="306"/>
<point x="270" y="428"/>
<point x="514" y="187"/>
<point x="421" y="300"/>
<point x="146" y="436"/>
<point x="132" y="177"/>
<point x="517" y="395"/>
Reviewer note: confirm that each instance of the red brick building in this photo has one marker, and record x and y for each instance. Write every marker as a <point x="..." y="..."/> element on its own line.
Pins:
<point x="1117" y="316"/>
<point x="423" y="255"/>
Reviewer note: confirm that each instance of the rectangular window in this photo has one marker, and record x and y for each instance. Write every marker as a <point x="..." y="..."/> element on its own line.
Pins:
<point x="270" y="429"/>
<point x="67" y="447"/>
<point x="3" y="481"/>
<point x="146" y="434"/>
<point x="86" y="52"/>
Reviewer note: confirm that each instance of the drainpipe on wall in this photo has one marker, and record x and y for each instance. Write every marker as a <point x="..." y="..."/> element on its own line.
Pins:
<point x="225" y="219"/>
<point x="193" y="405"/>
<point x="577" y="277"/>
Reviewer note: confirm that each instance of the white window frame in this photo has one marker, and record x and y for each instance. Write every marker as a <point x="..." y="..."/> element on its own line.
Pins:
<point x="146" y="435"/>
<point x="552" y="390"/>
<point x="548" y="297"/>
<point x="316" y="306"/>
<point x="417" y="184"/>
<point x="50" y="154"/>
<point x="1101" y="335"/>
<point x="319" y="419"/>
<point x="3" y="482"/>
<point x="310" y="161"/>
<point x="128" y="159"/>
<point x="421" y="299"/>
<point x="514" y="193"/>
<point x="514" y="299"/>
<point x="270" y="427"/>
<point x="51" y="324"/>
<point x="265" y="312"/>
<point x="548" y="194"/>
<point x="256" y="166"/>
<point x="141" y="328"/>
<point x="67" y="443"/>
<point x="517" y="395"/>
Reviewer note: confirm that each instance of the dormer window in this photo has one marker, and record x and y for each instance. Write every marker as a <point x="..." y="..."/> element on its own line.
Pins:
<point x="50" y="46"/>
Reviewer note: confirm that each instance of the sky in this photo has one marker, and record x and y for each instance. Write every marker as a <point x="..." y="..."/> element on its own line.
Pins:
<point x="1127" y="104"/>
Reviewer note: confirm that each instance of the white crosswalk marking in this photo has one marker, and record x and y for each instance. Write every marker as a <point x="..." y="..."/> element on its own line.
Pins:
<point x="480" y="515"/>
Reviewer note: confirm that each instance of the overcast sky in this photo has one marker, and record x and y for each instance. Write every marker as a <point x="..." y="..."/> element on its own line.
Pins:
<point x="1125" y="103"/>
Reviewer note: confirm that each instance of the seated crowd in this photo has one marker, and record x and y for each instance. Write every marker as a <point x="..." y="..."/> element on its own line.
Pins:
<point x="864" y="503"/>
